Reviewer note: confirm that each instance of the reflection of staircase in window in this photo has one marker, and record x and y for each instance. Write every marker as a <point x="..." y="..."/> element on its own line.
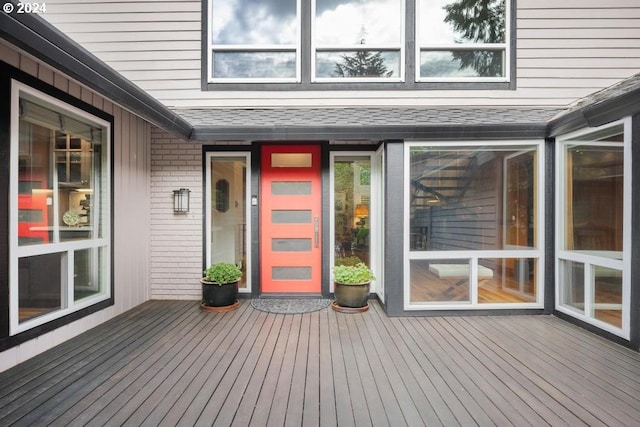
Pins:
<point x="443" y="178"/>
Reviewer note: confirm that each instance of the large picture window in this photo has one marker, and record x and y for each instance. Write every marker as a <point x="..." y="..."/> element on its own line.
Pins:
<point x="473" y="230"/>
<point x="372" y="43"/>
<point x="59" y="209"/>
<point x="592" y="276"/>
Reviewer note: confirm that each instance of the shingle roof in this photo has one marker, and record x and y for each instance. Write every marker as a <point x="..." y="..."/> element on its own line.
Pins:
<point x="361" y="122"/>
<point x="362" y="116"/>
<point x="612" y="103"/>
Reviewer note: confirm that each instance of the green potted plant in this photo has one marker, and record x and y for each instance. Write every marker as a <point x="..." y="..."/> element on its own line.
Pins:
<point x="352" y="283"/>
<point x="220" y="287"/>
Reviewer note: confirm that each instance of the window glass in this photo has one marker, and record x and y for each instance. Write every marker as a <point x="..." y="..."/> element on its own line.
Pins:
<point x="254" y="39"/>
<point x="362" y="41"/>
<point x="572" y="285"/>
<point x="472" y="198"/>
<point x="229" y="226"/>
<point x="453" y="63"/>
<point x="440" y="281"/>
<point x="358" y="63"/>
<point x="251" y="22"/>
<point x="461" y="38"/>
<point x="358" y="39"/>
<point x="607" y="295"/>
<point x="39" y="285"/>
<point x="591" y="231"/>
<point x="506" y="280"/>
<point x="62" y="209"/>
<point x="349" y="22"/>
<point x="594" y="197"/>
<point x="352" y="193"/>
<point x="254" y="65"/>
<point x="473" y="225"/>
<point x="59" y="172"/>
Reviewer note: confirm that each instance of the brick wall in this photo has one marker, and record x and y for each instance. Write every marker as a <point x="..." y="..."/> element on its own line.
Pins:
<point x="176" y="239"/>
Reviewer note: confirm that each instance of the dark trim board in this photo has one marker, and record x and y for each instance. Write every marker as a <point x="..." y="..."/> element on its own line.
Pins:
<point x="549" y="280"/>
<point x="441" y="132"/>
<point x="408" y="82"/>
<point x="393" y="255"/>
<point x="5" y="151"/>
<point x="7" y="73"/>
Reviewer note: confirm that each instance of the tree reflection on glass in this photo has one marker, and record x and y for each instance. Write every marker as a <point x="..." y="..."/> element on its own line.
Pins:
<point x="362" y="63"/>
<point x="479" y="21"/>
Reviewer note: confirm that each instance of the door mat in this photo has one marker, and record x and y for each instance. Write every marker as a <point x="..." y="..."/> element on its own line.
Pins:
<point x="289" y="305"/>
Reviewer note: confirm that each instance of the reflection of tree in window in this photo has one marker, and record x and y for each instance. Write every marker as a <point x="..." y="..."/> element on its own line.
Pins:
<point x="363" y="63"/>
<point x="480" y="22"/>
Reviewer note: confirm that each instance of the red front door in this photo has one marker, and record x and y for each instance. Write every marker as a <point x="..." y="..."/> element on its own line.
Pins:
<point x="290" y="217"/>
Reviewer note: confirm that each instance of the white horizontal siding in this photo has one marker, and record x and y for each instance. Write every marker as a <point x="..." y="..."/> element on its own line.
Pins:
<point x="132" y="164"/>
<point x="565" y="50"/>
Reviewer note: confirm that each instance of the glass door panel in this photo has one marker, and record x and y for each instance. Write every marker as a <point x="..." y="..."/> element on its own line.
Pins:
<point x="352" y="205"/>
<point x="228" y="212"/>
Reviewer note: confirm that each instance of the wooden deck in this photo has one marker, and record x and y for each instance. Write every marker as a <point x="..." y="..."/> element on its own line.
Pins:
<point x="168" y="363"/>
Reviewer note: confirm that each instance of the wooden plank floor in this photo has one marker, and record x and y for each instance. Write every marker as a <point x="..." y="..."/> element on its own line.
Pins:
<point x="167" y="363"/>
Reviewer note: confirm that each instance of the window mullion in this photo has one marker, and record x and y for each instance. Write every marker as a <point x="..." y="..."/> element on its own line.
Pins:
<point x="306" y="46"/>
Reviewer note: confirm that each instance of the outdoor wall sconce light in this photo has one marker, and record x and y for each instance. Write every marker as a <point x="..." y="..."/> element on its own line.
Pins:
<point x="181" y="201"/>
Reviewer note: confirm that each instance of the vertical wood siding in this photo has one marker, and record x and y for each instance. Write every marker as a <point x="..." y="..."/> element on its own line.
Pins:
<point x="131" y="227"/>
<point x="565" y="50"/>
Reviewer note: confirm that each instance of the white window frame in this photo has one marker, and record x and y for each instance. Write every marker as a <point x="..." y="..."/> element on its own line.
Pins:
<point x="506" y="47"/>
<point x="306" y="48"/>
<point x="590" y="260"/>
<point x="207" y="208"/>
<point x="67" y="249"/>
<point x="474" y="255"/>
<point x="315" y="48"/>
<point x="295" y="48"/>
<point x="375" y="202"/>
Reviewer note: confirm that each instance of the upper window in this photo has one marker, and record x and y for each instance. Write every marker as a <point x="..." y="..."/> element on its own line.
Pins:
<point x="398" y="44"/>
<point x="255" y="40"/>
<point x="463" y="39"/>
<point x="355" y="39"/>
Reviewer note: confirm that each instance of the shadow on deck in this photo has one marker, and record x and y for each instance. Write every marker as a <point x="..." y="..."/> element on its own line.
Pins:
<point x="168" y="363"/>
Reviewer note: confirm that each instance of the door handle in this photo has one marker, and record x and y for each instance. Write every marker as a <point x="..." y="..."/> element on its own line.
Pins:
<point x="316" y="231"/>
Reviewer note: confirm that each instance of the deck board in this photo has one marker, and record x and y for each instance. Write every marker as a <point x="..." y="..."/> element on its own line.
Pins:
<point x="168" y="363"/>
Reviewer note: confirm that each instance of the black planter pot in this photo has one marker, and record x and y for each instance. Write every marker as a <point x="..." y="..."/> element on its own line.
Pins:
<point x="351" y="296"/>
<point x="214" y="295"/>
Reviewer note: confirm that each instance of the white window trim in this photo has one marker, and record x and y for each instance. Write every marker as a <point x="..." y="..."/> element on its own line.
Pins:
<point x="506" y="47"/>
<point x="207" y="208"/>
<point x="66" y="248"/>
<point x="296" y="48"/>
<point x="315" y="48"/>
<point x="375" y="233"/>
<point x="590" y="260"/>
<point x="403" y="78"/>
<point x="474" y="255"/>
